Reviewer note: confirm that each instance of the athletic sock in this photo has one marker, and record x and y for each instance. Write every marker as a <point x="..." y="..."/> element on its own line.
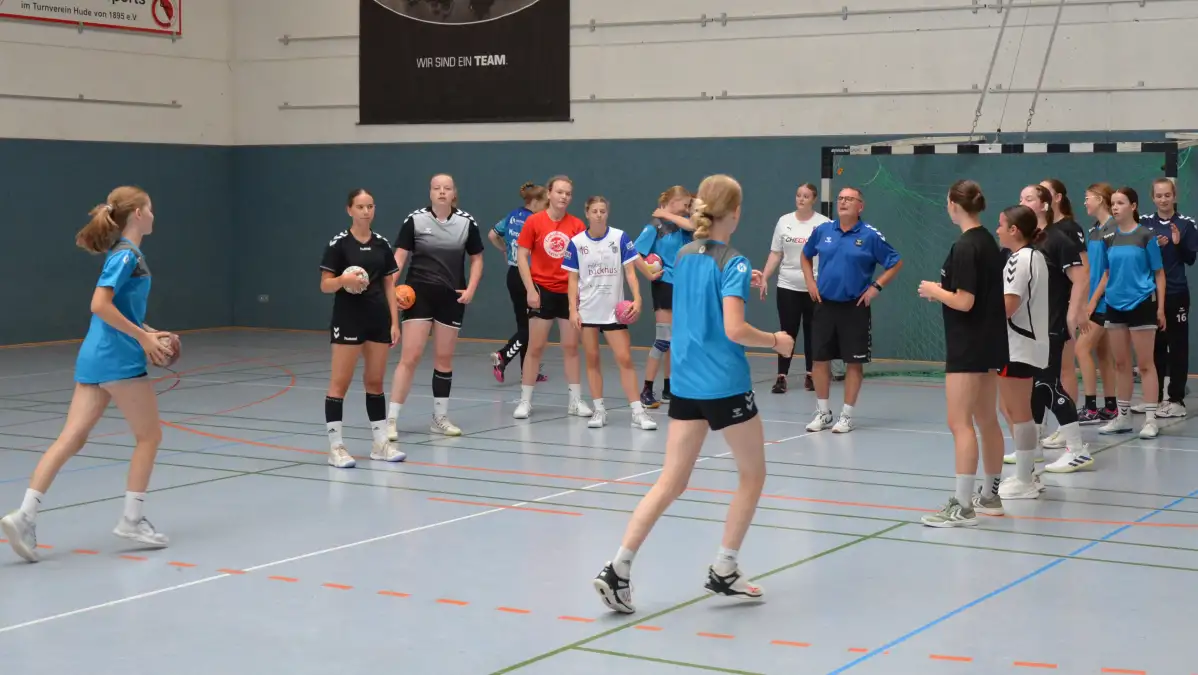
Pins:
<point x="31" y="503"/>
<point x="1149" y="412"/>
<point x="725" y="562"/>
<point x="598" y="404"/>
<point x="442" y="384"/>
<point x="1091" y="402"/>
<point x="637" y="407"/>
<point x="965" y="489"/>
<point x="648" y="385"/>
<point x="822" y="405"/>
<point x="622" y="563"/>
<point x="526" y="393"/>
<point x="1072" y="433"/>
<point x="848" y="410"/>
<point x="376" y="412"/>
<point x="991" y="485"/>
<point x="1026" y="439"/>
<point x="133" y="503"/>
<point x="1124" y="408"/>
<point x="1111" y="402"/>
<point x="665" y="388"/>
<point x="332" y="416"/>
<point x="575" y="392"/>
<point x="393" y="411"/>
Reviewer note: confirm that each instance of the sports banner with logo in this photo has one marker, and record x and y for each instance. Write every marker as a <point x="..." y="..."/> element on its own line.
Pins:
<point x="455" y="61"/>
<point x="142" y="16"/>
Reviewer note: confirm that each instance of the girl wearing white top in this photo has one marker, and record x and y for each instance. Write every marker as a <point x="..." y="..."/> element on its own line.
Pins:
<point x="595" y="261"/>
<point x="795" y="306"/>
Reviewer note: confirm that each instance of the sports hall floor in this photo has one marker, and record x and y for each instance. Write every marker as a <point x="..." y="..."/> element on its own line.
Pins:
<point x="476" y="555"/>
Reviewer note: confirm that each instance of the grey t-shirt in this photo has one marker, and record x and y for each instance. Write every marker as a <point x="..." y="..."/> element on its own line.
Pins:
<point x="439" y="249"/>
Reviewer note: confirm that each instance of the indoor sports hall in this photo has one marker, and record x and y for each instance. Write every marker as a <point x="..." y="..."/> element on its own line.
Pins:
<point x="467" y="536"/>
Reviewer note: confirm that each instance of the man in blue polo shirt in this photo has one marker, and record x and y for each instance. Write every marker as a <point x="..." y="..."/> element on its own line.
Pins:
<point x="849" y="251"/>
<point x="1178" y="239"/>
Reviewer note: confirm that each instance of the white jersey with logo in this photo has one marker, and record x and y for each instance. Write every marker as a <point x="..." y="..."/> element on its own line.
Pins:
<point x="790" y="234"/>
<point x="600" y="266"/>
<point x="1026" y="275"/>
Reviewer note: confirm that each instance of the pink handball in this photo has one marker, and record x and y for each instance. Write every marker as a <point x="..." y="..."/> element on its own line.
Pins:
<point x="624" y="312"/>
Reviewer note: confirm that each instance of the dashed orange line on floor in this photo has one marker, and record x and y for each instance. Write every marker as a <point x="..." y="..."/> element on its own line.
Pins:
<point x="230" y="571"/>
<point x="290" y="580"/>
<point x="578" y="619"/>
<point x="858" y="650"/>
<point x="394" y="594"/>
<point x="1034" y="664"/>
<point x="85" y="551"/>
<point x="135" y="558"/>
<point x="513" y="610"/>
<point x="946" y="657"/>
<point x="338" y="587"/>
<point x="716" y="636"/>
<point x="648" y="628"/>
<point x="788" y="643"/>
<point x="1122" y="671"/>
<point x="449" y="601"/>
<point x="181" y="565"/>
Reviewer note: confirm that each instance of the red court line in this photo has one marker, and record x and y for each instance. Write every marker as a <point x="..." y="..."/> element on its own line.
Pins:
<point x="135" y="558"/>
<point x="290" y="580"/>
<point x="233" y="572"/>
<point x="788" y="643"/>
<point x="513" y="610"/>
<point x="858" y="650"/>
<point x="180" y="564"/>
<point x="717" y="636"/>
<point x="394" y="594"/>
<point x="945" y="657"/>
<point x="654" y="629"/>
<point x="1033" y="664"/>
<point x="338" y="587"/>
<point x="83" y="551"/>
<point x="1121" y="671"/>
<point x="578" y="619"/>
<point x="504" y="506"/>
<point x="447" y="601"/>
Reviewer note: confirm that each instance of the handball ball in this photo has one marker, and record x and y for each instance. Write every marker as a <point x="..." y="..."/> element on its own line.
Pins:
<point x="653" y="261"/>
<point x="405" y="296"/>
<point x="624" y="312"/>
<point x="175" y="345"/>
<point x="358" y="271"/>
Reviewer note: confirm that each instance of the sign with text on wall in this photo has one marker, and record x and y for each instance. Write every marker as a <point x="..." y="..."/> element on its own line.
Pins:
<point x="142" y="16"/>
<point x="457" y="61"/>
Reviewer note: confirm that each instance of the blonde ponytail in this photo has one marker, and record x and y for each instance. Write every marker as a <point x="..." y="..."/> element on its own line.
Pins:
<point x="701" y="219"/>
<point x="108" y="220"/>
<point x="719" y="196"/>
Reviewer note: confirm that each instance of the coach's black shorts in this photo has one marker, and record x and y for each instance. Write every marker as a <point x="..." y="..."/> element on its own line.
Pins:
<point x="435" y="303"/>
<point x="841" y="330"/>
<point x="359" y="325"/>
<point x="663" y="295"/>
<point x="1140" y="317"/>
<point x="718" y="413"/>
<point x="1016" y="370"/>
<point x="553" y="306"/>
<point x="606" y="327"/>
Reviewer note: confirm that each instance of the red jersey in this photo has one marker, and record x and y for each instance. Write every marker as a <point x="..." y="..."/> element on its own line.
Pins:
<point x="547" y="240"/>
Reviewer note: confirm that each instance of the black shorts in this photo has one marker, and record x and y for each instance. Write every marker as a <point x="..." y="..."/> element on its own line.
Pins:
<point x="1140" y="317"/>
<point x="718" y="413"/>
<point x="1098" y="318"/>
<point x="553" y="306"/>
<point x="359" y="325"/>
<point x="663" y="295"/>
<point x="841" y="330"/>
<point x="1018" y="371"/>
<point x="606" y="327"/>
<point x="435" y="303"/>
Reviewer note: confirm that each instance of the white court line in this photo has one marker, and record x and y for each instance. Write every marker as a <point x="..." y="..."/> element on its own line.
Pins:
<point x="197" y="582"/>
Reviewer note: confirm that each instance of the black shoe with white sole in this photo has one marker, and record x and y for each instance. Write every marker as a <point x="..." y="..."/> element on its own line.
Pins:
<point x="615" y="592"/>
<point x="733" y="585"/>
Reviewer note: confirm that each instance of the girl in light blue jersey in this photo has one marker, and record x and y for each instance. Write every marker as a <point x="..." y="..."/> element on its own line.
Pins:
<point x="665" y="236"/>
<point x="504" y="237"/>
<point x="111" y="366"/>
<point x="713" y="392"/>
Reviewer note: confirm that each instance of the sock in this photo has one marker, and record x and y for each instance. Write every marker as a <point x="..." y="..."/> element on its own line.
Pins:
<point x="848" y="410"/>
<point x="725" y="562"/>
<point x="1149" y="412"/>
<point x="991" y="485"/>
<point x="376" y="412"/>
<point x="1091" y="402"/>
<point x="648" y="385"/>
<point x="965" y="489"/>
<point x="526" y="393"/>
<point x="440" y="407"/>
<point x="1072" y="433"/>
<point x="33" y="500"/>
<point x="823" y="405"/>
<point x="332" y="418"/>
<point x="598" y="404"/>
<point x="637" y="407"/>
<point x="1124" y="408"/>
<point x="1026" y="441"/>
<point x="575" y="391"/>
<point x="622" y="563"/>
<point x="666" y="387"/>
<point x="393" y="411"/>
<point x="1111" y="402"/>
<point x="133" y="503"/>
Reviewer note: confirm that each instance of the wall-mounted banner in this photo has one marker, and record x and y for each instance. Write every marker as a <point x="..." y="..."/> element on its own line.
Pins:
<point x="454" y="61"/>
<point x="163" y="17"/>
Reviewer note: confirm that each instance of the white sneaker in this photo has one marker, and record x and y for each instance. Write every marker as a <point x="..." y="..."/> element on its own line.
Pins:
<point x="642" y="420"/>
<point x="821" y="421"/>
<point x="386" y="452"/>
<point x="22" y="535"/>
<point x="141" y="532"/>
<point x="1120" y="424"/>
<point x="598" y="419"/>
<point x="442" y="425"/>
<point x="843" y="425"/>
<point x="1009" y="458"/>
<point x="523" y="410"/>
<point x="1139" y="409"/>
<point x="1054" y="442"/>
<point x="1149" y="430"/>
<point x="392" y="431"/>
<point x="1071" y="461"/>
<point x="1014" y="487"/>
<point x="579" y="408"/>
<point x="339" y="457"/>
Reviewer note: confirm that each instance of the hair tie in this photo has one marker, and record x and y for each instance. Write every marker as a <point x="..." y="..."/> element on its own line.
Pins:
<point x="109" y="207"/>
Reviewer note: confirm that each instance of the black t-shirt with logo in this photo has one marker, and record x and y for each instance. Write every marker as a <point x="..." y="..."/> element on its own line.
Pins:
<point x="1062" y="251"/>
<point x="976" y="340"/>
<point x="375" y="256"/>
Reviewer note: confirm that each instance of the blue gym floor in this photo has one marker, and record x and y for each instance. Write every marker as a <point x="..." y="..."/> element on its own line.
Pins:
<point x="476" y="555"/>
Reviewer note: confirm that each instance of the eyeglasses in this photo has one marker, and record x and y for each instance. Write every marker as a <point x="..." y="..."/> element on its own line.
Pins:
<point x="848" y="200"/>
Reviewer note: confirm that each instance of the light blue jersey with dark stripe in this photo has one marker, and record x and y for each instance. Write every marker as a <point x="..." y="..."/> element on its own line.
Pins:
<point x="1131" y="260"/>
<point x="509" y="228"/>
<point x="107" y="354"/>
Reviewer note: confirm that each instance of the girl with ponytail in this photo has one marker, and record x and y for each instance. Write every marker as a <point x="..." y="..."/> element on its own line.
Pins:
<point x="111" y="367"/>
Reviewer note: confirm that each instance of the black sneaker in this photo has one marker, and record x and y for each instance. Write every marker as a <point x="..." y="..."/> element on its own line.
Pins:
<point x="733" y="585"/>
<point x="615" y="592"/>
<point x="779" y="385"/>
<point x="808" y="383"/>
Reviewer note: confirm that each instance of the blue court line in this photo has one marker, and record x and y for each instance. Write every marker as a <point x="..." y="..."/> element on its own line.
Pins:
<point x="168" y="453"/>
<point x="1013" y="584"/>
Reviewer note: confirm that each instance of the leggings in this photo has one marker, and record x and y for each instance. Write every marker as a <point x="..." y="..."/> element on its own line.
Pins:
<point x="795" y="309"/>
<point x="1172" y="348"/>
<point x="518" y="343"/>
<point x="1048" y="391"/>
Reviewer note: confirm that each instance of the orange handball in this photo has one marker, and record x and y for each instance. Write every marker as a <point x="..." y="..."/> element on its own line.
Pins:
<point x="404" y="296"/>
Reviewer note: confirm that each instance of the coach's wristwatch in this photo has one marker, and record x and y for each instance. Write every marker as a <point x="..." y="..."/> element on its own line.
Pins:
<point x="877" y="286"/>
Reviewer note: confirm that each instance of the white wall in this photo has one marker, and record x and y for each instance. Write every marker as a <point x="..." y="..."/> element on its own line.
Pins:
<point x="46" y="60"/>
<point x="1116" y="45"/>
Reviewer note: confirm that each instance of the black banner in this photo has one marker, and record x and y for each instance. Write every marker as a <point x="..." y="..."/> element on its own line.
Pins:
<point x="455" y="61"/>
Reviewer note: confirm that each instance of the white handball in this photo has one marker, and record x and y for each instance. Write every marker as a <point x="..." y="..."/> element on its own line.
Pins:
<point x="358" y="271"/>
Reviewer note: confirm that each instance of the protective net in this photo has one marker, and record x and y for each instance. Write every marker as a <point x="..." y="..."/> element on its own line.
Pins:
<point x="905" y="199"/>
